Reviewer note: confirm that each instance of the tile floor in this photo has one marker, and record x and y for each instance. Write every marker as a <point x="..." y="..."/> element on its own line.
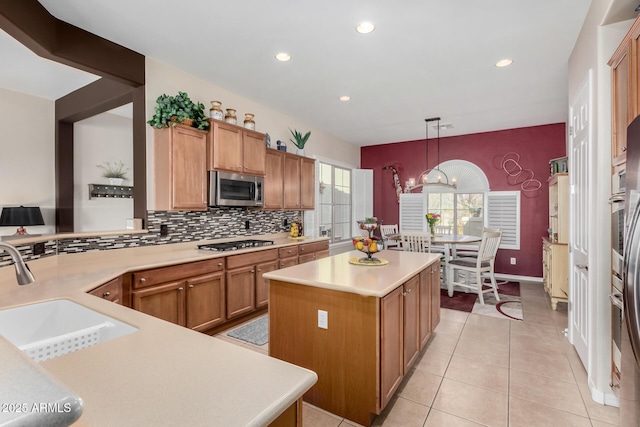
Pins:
<point x="484" y="371"/>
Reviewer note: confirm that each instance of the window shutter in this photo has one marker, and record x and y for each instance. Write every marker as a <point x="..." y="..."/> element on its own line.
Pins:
<point x="503" y="212"/>
<point x="412" y="211"/>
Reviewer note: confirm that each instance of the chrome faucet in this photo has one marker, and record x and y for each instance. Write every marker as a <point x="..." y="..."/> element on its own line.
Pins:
<point x="23" y="274"/>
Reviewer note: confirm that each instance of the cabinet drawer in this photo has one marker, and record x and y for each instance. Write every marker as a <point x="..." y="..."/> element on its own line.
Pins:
<point x="306" y="258"/>
<point x="289" y="251"/>
<point x="313" y="247"/>
<point x="145" y="278"/>
<point x="252" y="258"/>
<point x="288" y="262"/>
<point x="111" y="291"/>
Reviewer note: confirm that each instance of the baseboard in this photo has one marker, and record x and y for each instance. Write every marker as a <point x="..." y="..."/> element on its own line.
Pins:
<point x="515" y="278"/>
<point x="604" y="398"/>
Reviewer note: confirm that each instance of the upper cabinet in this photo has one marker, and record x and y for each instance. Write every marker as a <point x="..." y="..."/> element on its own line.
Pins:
<point x="235" y="149"/>
<point x="625" y="64"/>
<point x="180" y="168"/>
<point x="289" y="182"/>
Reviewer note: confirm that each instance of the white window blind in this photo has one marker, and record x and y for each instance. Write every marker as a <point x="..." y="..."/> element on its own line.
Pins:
<point x="503" y="212"/>
<point x="412" y="211"/>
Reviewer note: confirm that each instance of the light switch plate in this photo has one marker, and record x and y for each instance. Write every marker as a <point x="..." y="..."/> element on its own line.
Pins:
<point x="323" y="319"/>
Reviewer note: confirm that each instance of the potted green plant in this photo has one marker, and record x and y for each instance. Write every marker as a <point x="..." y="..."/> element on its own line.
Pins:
<point x="115" y="172"/>
<point x="299" y="140"/>
<point x="179" y="109"/>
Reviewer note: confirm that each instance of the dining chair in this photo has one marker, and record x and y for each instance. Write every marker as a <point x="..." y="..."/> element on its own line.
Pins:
<point x="483" y="263"/>
<point x="415" y="241"/>
<point x="385" y="231"/>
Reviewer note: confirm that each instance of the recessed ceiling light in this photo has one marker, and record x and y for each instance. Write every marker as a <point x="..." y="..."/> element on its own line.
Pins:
<point x="283" y="57"/>
<point x="345" y="98"/>
<point x="504" y="62"/>
<point x="365" y="27"/>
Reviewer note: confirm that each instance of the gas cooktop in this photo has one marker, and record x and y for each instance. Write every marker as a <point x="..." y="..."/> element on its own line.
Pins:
<point x="232" y="246"/>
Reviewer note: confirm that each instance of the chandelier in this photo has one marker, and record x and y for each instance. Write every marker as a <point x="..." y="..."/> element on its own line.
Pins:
<point x="434" y="177"/>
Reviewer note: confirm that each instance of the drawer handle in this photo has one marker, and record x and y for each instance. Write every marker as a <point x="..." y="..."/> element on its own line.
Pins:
<point x="106" y="294"/>
<point x="181" y="288"/>
<point x="142" y="280"/>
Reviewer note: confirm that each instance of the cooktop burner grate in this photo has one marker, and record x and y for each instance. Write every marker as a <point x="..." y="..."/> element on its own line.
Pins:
<point x="232" y="246"/>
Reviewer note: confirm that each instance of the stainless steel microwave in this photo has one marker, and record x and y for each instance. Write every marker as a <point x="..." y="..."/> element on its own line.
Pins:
<point x="235" y="189"/>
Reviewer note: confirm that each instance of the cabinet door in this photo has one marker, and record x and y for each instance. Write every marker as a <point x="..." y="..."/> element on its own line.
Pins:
<point x="225" y="147"/>
<point x="241" y="290"/>
<point x="307" y="183"/>
<point x="262" y="285"/>
<point x="435" y="295"/>
<point x="425" y="306"/>
<point x="273" y="180"/>
<point x="164" y="302"/>
<point x="189" y="169"/>
<point x="391" y="345"/>
<point x="411" y="312"/>
<point x="205" y="301"/>
<point x="111" y="291"/>
<point x="620" y="107"/>
<point x="254" y="152"/>
<point x="291" y="181"/>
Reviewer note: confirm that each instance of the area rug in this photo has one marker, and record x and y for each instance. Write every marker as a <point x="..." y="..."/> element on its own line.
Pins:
<point x="509" y="306"/>
<point x="255" y="332"/>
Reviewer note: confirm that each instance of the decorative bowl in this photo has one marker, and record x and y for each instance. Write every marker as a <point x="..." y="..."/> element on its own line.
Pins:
<point x="368" y="245"/>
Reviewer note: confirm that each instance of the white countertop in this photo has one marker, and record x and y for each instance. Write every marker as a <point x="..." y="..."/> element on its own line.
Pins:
<point x="338" y="274"/>
<point x="162" y="374"/>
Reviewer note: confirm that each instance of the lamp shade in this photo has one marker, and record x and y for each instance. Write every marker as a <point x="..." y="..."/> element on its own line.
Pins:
<point x="21" y="216"/>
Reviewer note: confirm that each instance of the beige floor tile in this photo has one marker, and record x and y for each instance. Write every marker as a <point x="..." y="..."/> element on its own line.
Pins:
<point x="534" y="317"/>
<point x="453" y="315"/>
<point x="315" y="417"/>
<point x="442" y="419"/>
<point x="420" y="387"/>
<point x="492" y="353"/>
<point x="433" y="362"/>
<point x="443" y="343"/>
<point x="494" y="322"/>
<point x="401" y="412"/>
<point x="499" y="336"/>
<point x="541" y="345"/>
<point x="533" y="330"/>
<point x="547" y="391"/>
<point x="472" y="403"/>
<point x="596" y="411"/>
<point x="523" y="413"/>
<point x="449" y="328"/>
<point x="596" y="423"/>
<point x="475" y="372"/>
<point x="554" y="366"/>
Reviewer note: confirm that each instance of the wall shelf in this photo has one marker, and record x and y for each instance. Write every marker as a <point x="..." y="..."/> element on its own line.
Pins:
<point x="110" y="191"/>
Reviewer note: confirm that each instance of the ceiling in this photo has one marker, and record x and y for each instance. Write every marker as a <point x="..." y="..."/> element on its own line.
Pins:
<point x="427" y="58"/>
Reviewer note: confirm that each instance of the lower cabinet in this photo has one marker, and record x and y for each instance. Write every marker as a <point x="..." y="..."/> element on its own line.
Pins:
<point x="312" y="251"/>
<point x="288" y="256"/>
<point x="111" y="291"/>
<point x="555" y="266"/>
<point x="245" y="284"/>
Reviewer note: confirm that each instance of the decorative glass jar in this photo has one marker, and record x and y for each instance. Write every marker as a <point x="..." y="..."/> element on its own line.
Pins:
<point x="216" y="112"/>
<point x="249" y="123"/>
<point x="231" y="116"/>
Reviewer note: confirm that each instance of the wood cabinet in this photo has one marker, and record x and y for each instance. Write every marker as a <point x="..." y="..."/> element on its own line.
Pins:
<point x="555" y="262"/>
<point x="312" y="251"/>
<point x="559" y="208"/>
<point x="288" y="256"/>
<point x="411" y="318"/>
<point x="180" y="168"/>
<point x="391" y="344"/>
<point x="429" y="302"/>
<point x="111" y="291"/>
<point x="289" y="181"/>
<point x="235" y="149"/>
<point x="190" y="294"/>
<point x="245" y="282"/>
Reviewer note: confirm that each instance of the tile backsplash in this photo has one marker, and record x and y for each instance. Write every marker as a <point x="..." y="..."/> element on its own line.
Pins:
<point x="181" y="226"/>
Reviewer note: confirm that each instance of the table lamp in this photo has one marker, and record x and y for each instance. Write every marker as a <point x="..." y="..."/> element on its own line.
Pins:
<point x="21" y="217"/>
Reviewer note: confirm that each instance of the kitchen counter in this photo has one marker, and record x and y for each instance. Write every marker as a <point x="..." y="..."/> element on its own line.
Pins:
<point x="162" y="374"/>
<point x="338" y="274"/>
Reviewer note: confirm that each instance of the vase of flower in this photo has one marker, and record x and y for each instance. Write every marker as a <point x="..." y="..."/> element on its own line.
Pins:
<point x="432" y="219"/>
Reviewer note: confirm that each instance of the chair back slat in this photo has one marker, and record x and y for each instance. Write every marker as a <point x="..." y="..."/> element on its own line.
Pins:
<point x="415" y="241"/>
<point x="489" y="246"/>
<point x="388" y="229"/>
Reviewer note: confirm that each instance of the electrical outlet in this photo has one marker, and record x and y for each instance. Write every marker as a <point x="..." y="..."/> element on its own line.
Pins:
<point x="513" y="261"/>
<point x="285" y="222"/>
<point x="323" y="319"/>
<point x="246" y="225"/>
<point x="38" y="248"/>
<point x="164" y="230"/>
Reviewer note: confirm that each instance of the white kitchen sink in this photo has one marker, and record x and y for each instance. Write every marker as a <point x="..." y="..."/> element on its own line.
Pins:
<point x="53" y="328"/>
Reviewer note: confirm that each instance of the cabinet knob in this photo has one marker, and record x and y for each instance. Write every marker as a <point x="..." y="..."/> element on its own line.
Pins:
<point x="106" y="294"/>
<point x="259" y="270"/>
<point x="181" y="288"/>
<point x="404" y="294"/>
<point x="253" y="271"/>
<point x="408" y="291"/>
<point x="612" y="385"/>
<point x="142" y="280"/>
<point x="190" y="286"/>
<point x="219" y="264"/>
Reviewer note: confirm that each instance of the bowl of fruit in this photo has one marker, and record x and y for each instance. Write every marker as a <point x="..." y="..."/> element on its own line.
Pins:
<point x="368" y="245"/>
<point x="369" y="224"/>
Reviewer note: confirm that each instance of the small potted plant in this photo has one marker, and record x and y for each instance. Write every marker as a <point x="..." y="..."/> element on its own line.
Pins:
<point x="299" y="140"/>
<point x="179" y="109"/>
<point x="115" y="172"/>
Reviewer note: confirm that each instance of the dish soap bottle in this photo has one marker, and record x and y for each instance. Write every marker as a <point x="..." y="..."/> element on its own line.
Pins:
<point x="294" y="230"/>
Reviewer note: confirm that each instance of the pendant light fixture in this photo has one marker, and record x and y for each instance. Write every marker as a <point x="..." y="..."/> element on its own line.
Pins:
<point x="434" y="177"/>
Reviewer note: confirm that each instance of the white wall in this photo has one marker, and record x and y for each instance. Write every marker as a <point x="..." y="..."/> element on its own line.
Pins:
<point x="98" y="139"/>
<point x="165" y="79"/>
<point x="593" y="49"/>
<point x="27" y="156"/>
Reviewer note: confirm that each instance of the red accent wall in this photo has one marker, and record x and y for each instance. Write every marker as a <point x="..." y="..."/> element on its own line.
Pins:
<point x="535" y="145"/>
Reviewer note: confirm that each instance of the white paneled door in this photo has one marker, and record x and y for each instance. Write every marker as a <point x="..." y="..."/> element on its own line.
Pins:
<point x="580" y="135"/>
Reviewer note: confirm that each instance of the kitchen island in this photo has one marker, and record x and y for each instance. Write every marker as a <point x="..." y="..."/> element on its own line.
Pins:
<point x="162" y="374"/>
<point x="360" y="328"/>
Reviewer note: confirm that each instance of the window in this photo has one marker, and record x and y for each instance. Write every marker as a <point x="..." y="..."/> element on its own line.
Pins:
<point x="334" y="218"/>
<point x="460" y="213"/>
